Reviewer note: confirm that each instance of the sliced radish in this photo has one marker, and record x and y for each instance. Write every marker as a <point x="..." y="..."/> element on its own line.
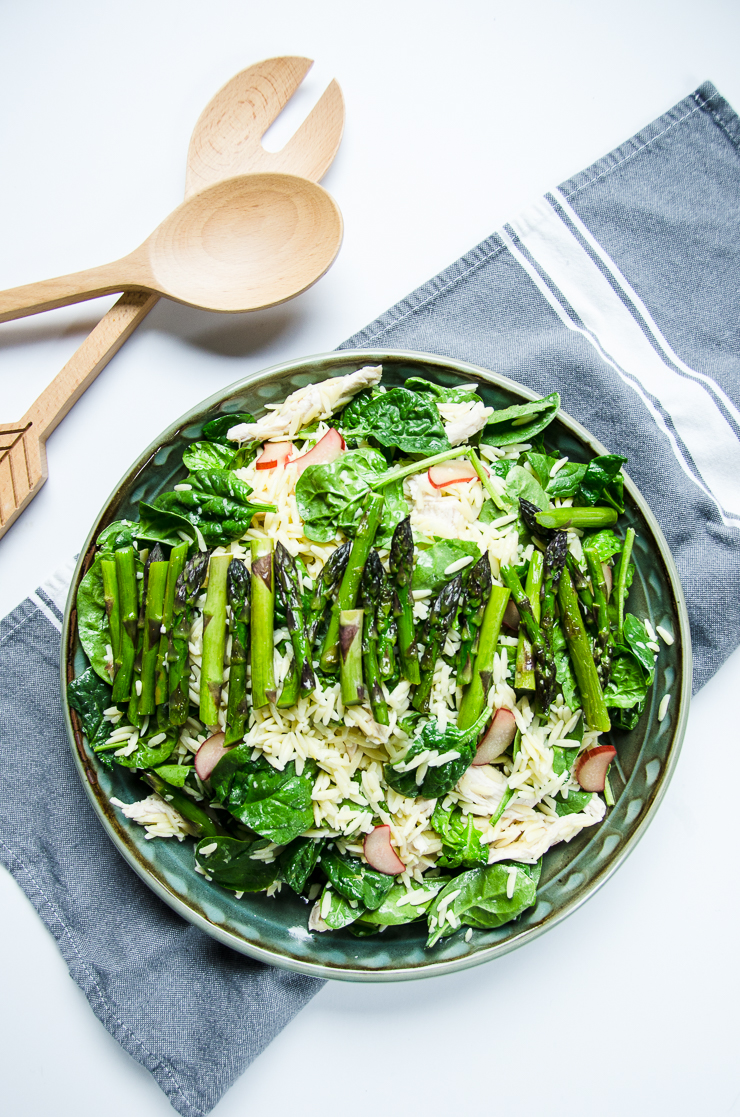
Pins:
<point x="274" y="454"/>
<point x="511" y="616"/>
<point x="592" y="766"/>
<point x="380" y="853"/>
<point x="607" y="578"/>
<point x="497" y="738"/>
<point x="326" y="450"/>
<point x="209" y="754"/>
<point x="451" y="473"/>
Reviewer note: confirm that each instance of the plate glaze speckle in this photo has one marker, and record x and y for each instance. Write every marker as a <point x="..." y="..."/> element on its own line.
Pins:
<point x="274" y="930"/>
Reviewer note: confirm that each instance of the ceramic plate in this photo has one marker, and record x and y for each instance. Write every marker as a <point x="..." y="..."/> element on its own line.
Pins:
<point x="275" y="930"/>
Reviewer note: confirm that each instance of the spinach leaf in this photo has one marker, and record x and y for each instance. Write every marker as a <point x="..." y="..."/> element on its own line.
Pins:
<point x="330" y="497"/>
<point x="121" y="533"/>
<point x="338" y="912"/>
<point x="207" y="455"/>
<point x="627" y="685"/>
<point x="566" y="481"/>
<point x="637" y="638"/>
<point x="481" y="899"/>
<point x="439" y="778"/>
<point x="489" y="512"/>
<point x="298" y="860"/>
<point x="576" y="802"/>
<point x="521" y="483"/>
<point x="562" y="761"/>
<point x="217" y="429"/>
<point x="355" y="880"/>
<point x="395" y="509"/>
<point x="463" y="393"/>
<point x="564" y="669"/>
<point x="603" y="543"/>
<point x="392" y="913"/>
<point x="628" y="719"/>
<point x="429" y="572"/>
<point x="541" y="464"/>
<point x="146" y="755"/>
<point x="275" y="804"/>
<point x="232" y="865"/>
<point x="217" y="504"/>
<point x="521" y="422"/>
<point x="175" y="775"/>
<point x="160" y="526"/>
<point x="92" y="620"/>
<point x="89" y="696"/>
<point x="603" y="482"/>
<point x="460" y="839"/>
<point x="405" y="420"/>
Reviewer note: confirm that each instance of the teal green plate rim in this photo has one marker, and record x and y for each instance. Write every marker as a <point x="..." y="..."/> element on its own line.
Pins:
<point x="395" y="960"/>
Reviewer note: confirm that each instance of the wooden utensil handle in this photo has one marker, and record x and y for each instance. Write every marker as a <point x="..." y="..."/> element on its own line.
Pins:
<point x="32" y="298"/>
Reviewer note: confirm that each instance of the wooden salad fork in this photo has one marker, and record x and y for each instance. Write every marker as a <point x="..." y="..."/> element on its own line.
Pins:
<point x="226" y="142"/>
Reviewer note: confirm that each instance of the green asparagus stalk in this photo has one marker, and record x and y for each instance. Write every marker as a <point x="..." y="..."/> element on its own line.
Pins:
<point x="134" y="700"/>
<point x="178" y="555"/>
<point x="263" y="624"/>
<point x="472" y="609"/>
<point x="582" y="586"/>
<point x="187" y="588"/>
<point x="237" y="591"/>
<point x="286" y="576"/>
<point x="214" y="640"/>
<point x="153" y="614"/>
<point x="129" y="612"/>
<point x="594" y="707"/>
<point x="208" y="827"/>
<point x="485" y="481"/>
<point x="387" y="628"/>
<point x="604" y="645"/>
<point x="370" y="600"/>
<point x="417" y="467"/>
<point x="555" y="555"/>
<point x="112" y="607"/>
<point x="347" y="596"/>
<point x="401" y="562"/>
<point x="326" y="583"/>
<point x="559" y="518"/>
<point x="524" y="674"/>
<point x="350" y="648"/>
<point x="624" y="562"/>
<point x="475" y="695"/>
<point x="291" y="688"/>
<point x="544" y="663"/>
<point x="442" y="613"/>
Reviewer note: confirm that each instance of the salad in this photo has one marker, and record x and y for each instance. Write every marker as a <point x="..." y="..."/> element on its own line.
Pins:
<point x="370" y="650"/>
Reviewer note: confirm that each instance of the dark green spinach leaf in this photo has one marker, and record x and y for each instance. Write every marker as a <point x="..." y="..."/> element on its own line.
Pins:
<point x="628" y="684"/>
<point x="217" y="504"/>
<point x="408" y="421"/>
<point x="440" y="778"/>
<point x="90" y="697"/>
<point x="482" y="899"/>
<point x="603" y="543"/>
<point x="330" y="497"/>
<point x="431" y="563"/>
<point x="275" y="804"/>
<point x="298" y="860"/>
<point x="176" y="775"/>
<point x="217" y="429"/>
<point x="355" y="880"/>
<point x="637" y="638"/>
<point x="603" y="482"/>
<point x="461" y="845"/>
<point x="92" y="620"/>
<point x="207" y="455"/>
<point x="392" y="913"/>
<point x="521" y="422"/>
<point x="463" y="393"/>
<point x="229" y="862"/>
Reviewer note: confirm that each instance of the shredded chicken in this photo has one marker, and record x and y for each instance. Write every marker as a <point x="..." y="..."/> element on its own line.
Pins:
<point x="481" y="789"/>
<point x="463" y="420"/>
<point x="316" y="401"/>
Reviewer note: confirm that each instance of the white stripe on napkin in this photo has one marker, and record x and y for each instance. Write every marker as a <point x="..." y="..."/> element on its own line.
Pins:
<point x="44" y="608"/>
<point x="612" y="328"/>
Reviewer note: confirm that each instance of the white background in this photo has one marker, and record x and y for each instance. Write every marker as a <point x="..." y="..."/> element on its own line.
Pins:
<point x="458" y="114"/>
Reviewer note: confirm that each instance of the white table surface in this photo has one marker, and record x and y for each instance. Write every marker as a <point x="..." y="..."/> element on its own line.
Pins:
<point x="457" y="115"/>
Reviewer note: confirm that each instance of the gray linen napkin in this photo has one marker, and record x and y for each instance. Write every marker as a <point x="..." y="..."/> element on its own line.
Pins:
<point x="620" y="290"/>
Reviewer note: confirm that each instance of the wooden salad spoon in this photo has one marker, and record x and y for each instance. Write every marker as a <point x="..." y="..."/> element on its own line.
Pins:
<point x="226" y="142"/>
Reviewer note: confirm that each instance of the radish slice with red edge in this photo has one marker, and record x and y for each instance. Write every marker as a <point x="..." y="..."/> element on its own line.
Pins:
<point x="496" y="739"/>
<point x="380" y="854"/>
<point x="326" y="450"/>
<point x="607" y="578"/>
<point x="511" y="616"/>
<point x="592" y="766"/>
<point x="274" y="454"/>
<point x="209" y="754"/>
<point x="451" y="473"/>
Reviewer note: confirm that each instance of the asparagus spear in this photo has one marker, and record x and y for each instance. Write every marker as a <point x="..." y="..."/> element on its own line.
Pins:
<point x="387" y="628"/>
<point x="594" y="707"/>
<point x="237" y="592"/>
<point x="473" y="606"/>
<point x="583" y="588"/>
<point x="187" y="588"/>
<point x="524" y="675"/>
<point x="555" y="555"/>
<point x="135" y="698"/>
<point x="208" y="827"/>
<point x="153" y="614"/>
<point x="350" y="584"/>
<point x="214" y="640"/>
<point x="476" y="693"/>
<point x="165" y="653"/>
<point x="291" y="688"/>
<point x="370" y="599"/>
<point x="441" y="614"/>
<point x="286" y="576"/>
<point x="604" y="640"/>
<point x="112" y="606"/>
<point x="558" y="518"/>
<point x="544" y="664"/>
<point x="326" y="583"/>
<point x="350" y="645"/>
<point x="263" y="624"/>
<point x="624" y="562"/>
<point x="124" y="662"/>
<point x="401" y="562"/>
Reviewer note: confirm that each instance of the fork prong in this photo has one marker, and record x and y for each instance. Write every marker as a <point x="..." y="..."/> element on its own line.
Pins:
<point x="311" y="149"/>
